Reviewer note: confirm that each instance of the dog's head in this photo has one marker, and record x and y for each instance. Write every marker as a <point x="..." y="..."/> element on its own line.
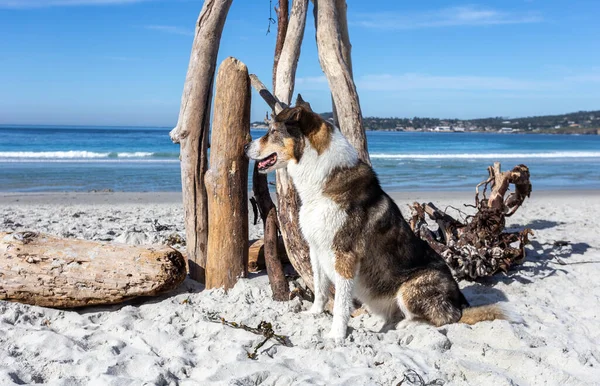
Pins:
<point x="289" y="133"/>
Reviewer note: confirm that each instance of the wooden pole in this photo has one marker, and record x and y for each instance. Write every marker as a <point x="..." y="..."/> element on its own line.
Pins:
<point x="48" y="271"/>
<point x="192" y="129"/>
<point x="334" y="48"/>
<point x="227" y="179"/>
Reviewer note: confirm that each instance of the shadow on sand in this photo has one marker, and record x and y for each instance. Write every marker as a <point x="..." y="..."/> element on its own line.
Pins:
<point x="545" y="259"/>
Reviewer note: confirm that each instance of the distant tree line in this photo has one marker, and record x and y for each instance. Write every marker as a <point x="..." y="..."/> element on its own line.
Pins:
<point x="581" y="122"/>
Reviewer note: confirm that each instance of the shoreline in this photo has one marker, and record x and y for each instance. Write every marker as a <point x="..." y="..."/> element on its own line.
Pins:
<point x="117" y="198"/>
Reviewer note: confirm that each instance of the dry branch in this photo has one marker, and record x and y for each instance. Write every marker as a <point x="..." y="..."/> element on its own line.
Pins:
<point x="479" y="247"/>
<point x="333" y="44"/>
<point x="227" y="179"/>
<point x="192" y="129"/>
<point x="48" y="271"/>
<point x="285" y="75"/>
<point x="268" y="213"/>
<point x="282" y="25"/>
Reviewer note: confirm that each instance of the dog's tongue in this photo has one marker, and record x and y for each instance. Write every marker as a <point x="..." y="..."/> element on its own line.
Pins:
<point x="265" y="163"/>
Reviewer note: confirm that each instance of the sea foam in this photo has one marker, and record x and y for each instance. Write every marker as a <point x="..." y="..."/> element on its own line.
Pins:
<point x="562" y="154"/>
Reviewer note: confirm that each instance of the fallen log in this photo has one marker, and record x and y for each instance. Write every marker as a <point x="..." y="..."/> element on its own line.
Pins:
<point x="48" y="271"/>
<point x="479" y="247"/>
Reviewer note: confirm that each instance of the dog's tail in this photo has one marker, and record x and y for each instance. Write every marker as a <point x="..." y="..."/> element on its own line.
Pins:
<point x="490" y="312"/>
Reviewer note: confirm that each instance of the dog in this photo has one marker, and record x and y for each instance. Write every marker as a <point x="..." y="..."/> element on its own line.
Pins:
<point x="357" y="236"/>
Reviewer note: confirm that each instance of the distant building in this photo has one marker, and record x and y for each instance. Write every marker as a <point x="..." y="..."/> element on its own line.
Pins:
<point x="459" y="129"/>
<point x="506" y="130"/>
<point x="442" y="128"/>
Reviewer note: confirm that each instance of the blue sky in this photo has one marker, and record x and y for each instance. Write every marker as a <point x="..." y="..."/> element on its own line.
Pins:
<point x="123" y="62"/>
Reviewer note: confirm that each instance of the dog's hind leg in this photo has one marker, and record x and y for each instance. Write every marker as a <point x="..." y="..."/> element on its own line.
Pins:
<point x="432" y="296"/>
<point x="320" y="284"/>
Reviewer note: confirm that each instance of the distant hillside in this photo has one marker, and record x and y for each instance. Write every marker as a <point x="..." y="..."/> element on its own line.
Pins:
<point x="581" y="122"/>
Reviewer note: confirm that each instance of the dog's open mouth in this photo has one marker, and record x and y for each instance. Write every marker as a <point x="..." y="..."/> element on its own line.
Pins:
<point x="267" y="162"/>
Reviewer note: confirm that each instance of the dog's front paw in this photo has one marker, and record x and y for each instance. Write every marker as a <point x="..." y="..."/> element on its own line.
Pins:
<point x="316" y="309"/>
<point x="337" y="335"/>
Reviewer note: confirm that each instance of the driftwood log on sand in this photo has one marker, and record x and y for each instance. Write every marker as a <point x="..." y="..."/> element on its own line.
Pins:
<point x="48" y="271"/>
<point x="479" y="247"/>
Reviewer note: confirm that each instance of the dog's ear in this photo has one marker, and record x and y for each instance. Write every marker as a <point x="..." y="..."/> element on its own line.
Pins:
<point x="302" y="103"/>
<point x="290" y="115"/>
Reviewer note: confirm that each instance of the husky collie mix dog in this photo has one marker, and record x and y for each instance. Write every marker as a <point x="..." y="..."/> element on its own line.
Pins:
<point x="357" y="236"/>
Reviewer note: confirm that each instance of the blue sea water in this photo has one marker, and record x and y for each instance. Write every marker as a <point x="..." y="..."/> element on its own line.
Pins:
<point x="82" y="158"/>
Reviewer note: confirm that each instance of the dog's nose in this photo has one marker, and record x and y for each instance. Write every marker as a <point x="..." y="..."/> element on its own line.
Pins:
<point x="246" y="147"/>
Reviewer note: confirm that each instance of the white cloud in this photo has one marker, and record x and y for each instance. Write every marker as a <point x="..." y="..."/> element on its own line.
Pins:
<point x="312" y="82"/>
<point x="445" y="17"/>
<point x="415" y="81"/>
<point x="170" y="29"/>
<point x="585" y="77"/>
<point x="55" y="3"/>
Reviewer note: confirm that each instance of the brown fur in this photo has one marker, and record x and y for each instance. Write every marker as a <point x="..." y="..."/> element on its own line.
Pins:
<point x="345" y="264"/>
<point x="301" y="121"/>
<point x="389" y="255"/>
<point x="426" y="296"/>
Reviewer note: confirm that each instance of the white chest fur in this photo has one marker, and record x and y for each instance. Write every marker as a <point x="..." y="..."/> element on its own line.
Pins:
<point x="321" y="217"/>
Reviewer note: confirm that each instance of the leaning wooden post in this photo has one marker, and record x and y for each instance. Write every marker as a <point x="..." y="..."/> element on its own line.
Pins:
<point x="227" y="179"/>
<point x="282" y="24"/>
<point x="192" y="129"/>
<point x="268" y="212"/>
<point x="287" y="197"/>
<point x="333" y="44"/>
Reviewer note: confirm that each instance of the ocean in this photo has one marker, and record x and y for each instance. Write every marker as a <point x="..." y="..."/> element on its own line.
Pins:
<point x="139" y="159"/>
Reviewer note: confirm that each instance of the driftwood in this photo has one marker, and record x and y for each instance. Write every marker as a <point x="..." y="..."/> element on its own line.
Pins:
<point x="479" y="247"/>
<point x="48" y="271"/>
<point x="227" y="179"/>
<point x="287" y="197"/>
<point x="192" y="129"/>
<point x="256" y="254"/>
<point x="268" y="214"/>
<point x="282" y="24"/>
<point x="262" y="197"/>
<point x="334" y="47"/>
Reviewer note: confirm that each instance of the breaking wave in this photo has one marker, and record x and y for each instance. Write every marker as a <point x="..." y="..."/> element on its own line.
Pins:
<point x="562" y="154"/>
<point x="82" y="155"/>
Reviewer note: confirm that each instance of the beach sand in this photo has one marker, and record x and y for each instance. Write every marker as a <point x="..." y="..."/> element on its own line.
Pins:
<point x="173" y="340"/>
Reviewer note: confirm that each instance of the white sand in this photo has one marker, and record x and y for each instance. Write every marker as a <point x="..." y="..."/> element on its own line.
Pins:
<point x="170" y="341"/>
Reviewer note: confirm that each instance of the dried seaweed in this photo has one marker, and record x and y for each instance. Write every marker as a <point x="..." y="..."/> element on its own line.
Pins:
<point x="478" y="246"/>
<point x="411" y="377"/>
<point x="264" y="329"/>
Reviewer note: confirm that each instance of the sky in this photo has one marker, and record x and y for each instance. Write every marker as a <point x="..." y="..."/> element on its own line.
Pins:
<point x="123" y="62"/>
